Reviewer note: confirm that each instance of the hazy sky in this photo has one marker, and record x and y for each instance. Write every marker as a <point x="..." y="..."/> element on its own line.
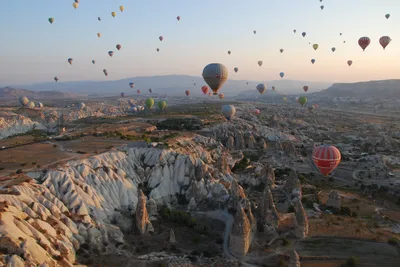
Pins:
<point x="33" y="50"/>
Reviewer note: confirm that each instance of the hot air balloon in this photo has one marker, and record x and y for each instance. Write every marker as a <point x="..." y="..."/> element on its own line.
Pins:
<point x="284" y="99"/>
<point x="312" y="61"/>
<point x="187" y="92"/>
<point x="257" y="112"/>
<point x="304" y="34"/>
<point x="315" y="46"/>
<point x="51" y="20"/>
<point x="93" y="61"/>
<point x="221" y="96"/>
<point x="297" y="99"/>
<point x="149" y="103"/>
<point x="110" y="53"/>
<point x="98" y="34"/>
<point x="310" y="108"/>
<point x="364" y="42"/>
<point x="340" y="34"/>
<point x="161" y="38"/>
<point x="138" y="91"/>
<point x="260" y="63"/>
<point x="273" y="88"/>
<point x="322" y="7"/>
<point x="236" y="69"/>
<point x="281" y="50"/>
<point x="150" y="90"/>
<point x="384" y="41"/>
<point x="77" y="1"/>
<point x="349" y="62"/>
<point x="204" y="89"/>
<point x="326" y="158"/>
<point x="131" y="84"/>
<point x="254" y="31"/>
<point x="113" y="14"/>
<point x="121" y="8"/>
<point x="387" y="16"/>
<point x="70" y="61"/>
<point x="315" y="106"/>
<point x="215" y="75"/>
<point x="158" y="49"/>
<point x="229" y="52"/>
<point x="294" y="31"/>
<point x="209" y="94"/>
<point x="333" y="49"/>
<point x="118" y="46"/>
<point x="281" y="74"/>
<point x="228" y="111"/>
<point x="302" y="100"/>
<point x="162" y="104"/>
<point x="98" y="18"/>
<point x="23" y="100"/>
<point x="178" y="18"/>
<point x="261" y="88"/>
<point x="56" y="79"/>
<point x="105" y="72"/>
<point x="305" y="88"/>
<point x="122" y="94"/>
<point x="75" y="5"/>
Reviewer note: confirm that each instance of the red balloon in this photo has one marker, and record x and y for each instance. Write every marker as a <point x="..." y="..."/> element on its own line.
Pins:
<point x="178" y="18"/>
<point x="364" y="42"/>
<point x="161" y="38"/>
<point x="384" y="41"/>
<point x="326" y="158"/>
<point x="305" y="88"/>
<point x="187" y="92"/>
<point x="204" y="88"/>
<point x="138" y="91"/>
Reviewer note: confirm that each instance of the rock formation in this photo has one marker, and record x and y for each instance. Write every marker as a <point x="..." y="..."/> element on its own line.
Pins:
<point x="143" y="224"/>
<point x="267" y="210"/>
<point x="192" y="204"/>
<point x="240" y="237"/>
<point x="152" y="209"/>
<point x="301" y="230"/>
<point x="294" y="260"/>
<point x="171" y="237"/>
<point x="334" y="200"/>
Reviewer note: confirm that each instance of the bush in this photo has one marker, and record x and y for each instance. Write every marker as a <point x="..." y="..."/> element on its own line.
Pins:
<point x="291" y="209"/>
<point x="393" y="241"/>
<point x="352" y="262"/>
<point x="285" y="242"/>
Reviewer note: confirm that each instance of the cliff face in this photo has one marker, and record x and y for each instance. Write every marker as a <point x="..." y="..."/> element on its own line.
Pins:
<point x="45" y="217"/>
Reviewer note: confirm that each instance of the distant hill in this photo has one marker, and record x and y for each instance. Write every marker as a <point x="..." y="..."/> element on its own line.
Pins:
<point x="13" y="93"/>
<point x="167" y="84"/>
<point x="383" y="89"/>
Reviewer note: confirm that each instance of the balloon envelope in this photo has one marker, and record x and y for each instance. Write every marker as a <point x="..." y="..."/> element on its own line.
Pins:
<point x="215" y="75"/>
<point x="384" y="41"/>
<point x="204" y="89"/>
<point x="364" y="42"/>
<point x="51" y="20"/>
<point x="302" y="100"/>
<point x="261" y="88"/>
<point x="326" y="158"/>
<point x="228" y="111"/>
<point x="162" y="104"/>
<point x="149" y="103"/>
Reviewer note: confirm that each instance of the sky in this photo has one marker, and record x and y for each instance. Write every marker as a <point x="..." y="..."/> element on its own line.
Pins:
<point x="33" y="50"/>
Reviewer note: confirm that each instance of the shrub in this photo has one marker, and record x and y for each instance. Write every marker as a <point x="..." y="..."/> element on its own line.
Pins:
<point x="393" y="241"/>
<point x="352" y="262"/>
<point x="285" y="242"/>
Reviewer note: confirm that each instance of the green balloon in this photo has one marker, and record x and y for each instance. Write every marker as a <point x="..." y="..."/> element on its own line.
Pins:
<point x="51" y="20"/>
<point x="162" y="104"/>
<point x="303" y="100"/>
<point x="149" y="103"/>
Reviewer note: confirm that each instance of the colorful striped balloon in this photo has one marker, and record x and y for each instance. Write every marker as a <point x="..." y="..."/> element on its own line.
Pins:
<point x="326" y="158"/>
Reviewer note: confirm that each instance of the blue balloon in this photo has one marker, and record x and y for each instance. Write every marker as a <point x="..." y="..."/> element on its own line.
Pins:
<point x="281" y="74"/>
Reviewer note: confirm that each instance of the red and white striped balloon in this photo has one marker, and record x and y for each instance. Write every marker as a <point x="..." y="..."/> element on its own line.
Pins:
<point x="326" y="158"/>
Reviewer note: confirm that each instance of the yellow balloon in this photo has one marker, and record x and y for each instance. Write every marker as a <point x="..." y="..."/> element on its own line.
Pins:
<point x="113" y="14"/>
<point x="75" y="5"/>
<point x="315" y="46"/>
<point x="122" y="8"/>
<point x="98" y="34"/>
